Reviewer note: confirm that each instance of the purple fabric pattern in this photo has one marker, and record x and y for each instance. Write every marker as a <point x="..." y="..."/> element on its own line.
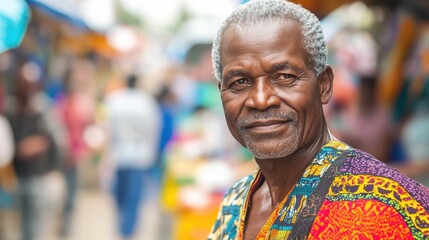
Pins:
<point x="364" y="163"/>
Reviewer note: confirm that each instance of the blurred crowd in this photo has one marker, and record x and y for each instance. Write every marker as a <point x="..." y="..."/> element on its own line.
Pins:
<point x="144" y="123"/>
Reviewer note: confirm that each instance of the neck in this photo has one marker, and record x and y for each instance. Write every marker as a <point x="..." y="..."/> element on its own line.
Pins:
<point x="281" y="174"/>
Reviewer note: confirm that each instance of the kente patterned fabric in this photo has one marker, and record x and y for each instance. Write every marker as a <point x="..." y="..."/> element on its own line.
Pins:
<point x="343" y="194"/>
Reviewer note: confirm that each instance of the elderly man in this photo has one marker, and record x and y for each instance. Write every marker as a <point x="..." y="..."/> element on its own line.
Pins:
<point x="270" y="58"/>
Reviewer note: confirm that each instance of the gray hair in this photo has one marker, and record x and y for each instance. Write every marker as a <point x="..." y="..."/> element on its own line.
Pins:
<point x="258" y="11"/>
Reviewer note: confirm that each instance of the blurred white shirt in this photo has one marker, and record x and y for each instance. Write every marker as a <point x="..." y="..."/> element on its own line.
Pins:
<point x="135" y="122"/>
<point x="6" y="142"/>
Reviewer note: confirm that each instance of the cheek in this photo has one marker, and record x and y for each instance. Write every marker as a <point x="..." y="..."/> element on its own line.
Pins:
<point x="305" y="103"/>
<point x="232" y="110"/>
<point x="234" y="132"/>
<point x="231" y="106"/>
<point x="230" y="115"/>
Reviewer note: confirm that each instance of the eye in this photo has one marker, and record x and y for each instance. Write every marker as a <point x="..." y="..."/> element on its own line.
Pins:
<point x="240" y="84"/>
<point x="285" y="78"/>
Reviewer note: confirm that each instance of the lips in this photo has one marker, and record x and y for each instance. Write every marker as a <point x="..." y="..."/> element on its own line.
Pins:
<point x="266" y="122"/>
<point x="267" y="125"/>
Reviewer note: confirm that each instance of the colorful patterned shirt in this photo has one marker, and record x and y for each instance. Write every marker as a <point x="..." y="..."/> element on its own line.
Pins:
<point x="343" y="194"/>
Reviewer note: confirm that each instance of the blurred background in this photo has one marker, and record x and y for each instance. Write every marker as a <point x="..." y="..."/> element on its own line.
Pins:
<point x="111" y="126"/>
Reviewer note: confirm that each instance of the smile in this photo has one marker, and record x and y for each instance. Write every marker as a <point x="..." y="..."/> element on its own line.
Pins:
<point x="266" y="126"/>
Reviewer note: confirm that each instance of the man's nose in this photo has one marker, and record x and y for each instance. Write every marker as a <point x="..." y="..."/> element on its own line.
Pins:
<point x="262" y="96"/>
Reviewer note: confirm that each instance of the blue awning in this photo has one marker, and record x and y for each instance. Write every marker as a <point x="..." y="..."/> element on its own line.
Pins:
<point x="14" y="17"/>
<point x="65" y="10"/>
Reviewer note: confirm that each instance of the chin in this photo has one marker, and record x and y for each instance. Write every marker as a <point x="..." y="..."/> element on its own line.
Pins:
<point x="268" y="155"/>
<point x="271" y="145"/>
<point x="270" y="151"/>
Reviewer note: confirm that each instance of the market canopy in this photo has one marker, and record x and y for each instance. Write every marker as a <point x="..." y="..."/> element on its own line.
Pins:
<point x="66" y="10"/>
<point x="14" y="17"/>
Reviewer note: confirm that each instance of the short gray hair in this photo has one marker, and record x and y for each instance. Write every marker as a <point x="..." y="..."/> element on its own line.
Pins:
<point x="258" y="11"/>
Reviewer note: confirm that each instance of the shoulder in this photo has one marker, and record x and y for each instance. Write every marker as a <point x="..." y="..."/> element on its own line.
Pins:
<point x="242" y="184"/>
<point x="362" y="165"/>
<point x="380" y="193"/>
<point x="237" y="193"/>
<point x="231" y="207"/>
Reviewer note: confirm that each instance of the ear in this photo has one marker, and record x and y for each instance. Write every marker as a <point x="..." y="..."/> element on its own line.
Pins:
<point x="219" y="85"/>
<point x="326" y="84"/>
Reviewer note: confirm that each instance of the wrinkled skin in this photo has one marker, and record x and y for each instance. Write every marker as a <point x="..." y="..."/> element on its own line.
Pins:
<point x="273" y="101"/>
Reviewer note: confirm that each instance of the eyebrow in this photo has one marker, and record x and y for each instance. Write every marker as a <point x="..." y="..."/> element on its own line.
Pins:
<point x="285" y="65"/>
<point x="233" y="73"/>
<point x="274" y="68"/>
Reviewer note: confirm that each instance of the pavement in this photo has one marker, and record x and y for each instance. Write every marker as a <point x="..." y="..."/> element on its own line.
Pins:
<point x="94" y="219"/>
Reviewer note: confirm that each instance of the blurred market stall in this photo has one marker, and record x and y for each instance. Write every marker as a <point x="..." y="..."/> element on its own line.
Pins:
<point x="75" y="53"/>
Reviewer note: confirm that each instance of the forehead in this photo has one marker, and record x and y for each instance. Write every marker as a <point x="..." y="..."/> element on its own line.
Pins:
<point x="278" y="39"/>
<point x="263" y="30"/>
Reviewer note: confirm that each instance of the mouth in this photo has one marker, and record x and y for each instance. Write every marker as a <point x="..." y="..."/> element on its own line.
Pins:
<point x="267" y="125"/>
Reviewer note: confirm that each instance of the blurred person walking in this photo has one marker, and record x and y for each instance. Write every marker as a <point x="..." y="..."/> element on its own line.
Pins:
<point x="35" y="158"/>
<point x="134" y="125"/>
<point x="6" y="173"/>
<point x="14" y="17"/>
<point x="76" y="109"/>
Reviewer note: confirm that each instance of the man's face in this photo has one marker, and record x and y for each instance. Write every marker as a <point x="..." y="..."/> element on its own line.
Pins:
<point x="271" y="96"/>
